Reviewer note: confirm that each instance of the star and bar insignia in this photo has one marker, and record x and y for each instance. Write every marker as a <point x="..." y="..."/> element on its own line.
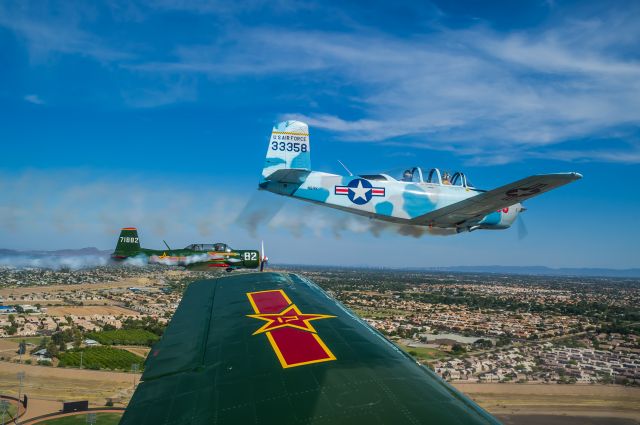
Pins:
<point x="521" y="192"/>
<point x="359" y="191"/>
<point x="289" y="331"/>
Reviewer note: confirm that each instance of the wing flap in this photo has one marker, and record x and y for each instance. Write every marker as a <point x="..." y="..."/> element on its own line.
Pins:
<point x="476" y="207"/>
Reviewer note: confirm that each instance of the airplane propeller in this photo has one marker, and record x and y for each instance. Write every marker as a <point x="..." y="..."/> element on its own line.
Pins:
<point x="264" y="260"/>
<point x="522" y="227"/>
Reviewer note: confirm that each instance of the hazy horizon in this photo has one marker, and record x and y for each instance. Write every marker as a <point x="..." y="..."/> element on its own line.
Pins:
<point x="111" y="120"/>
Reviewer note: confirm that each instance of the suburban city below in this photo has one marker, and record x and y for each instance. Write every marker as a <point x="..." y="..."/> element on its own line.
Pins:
<point x="474" y="330"/>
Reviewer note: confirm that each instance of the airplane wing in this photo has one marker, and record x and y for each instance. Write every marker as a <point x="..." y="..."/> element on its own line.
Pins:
<point x="274" y="348"/>
<point x="476" y="207"/>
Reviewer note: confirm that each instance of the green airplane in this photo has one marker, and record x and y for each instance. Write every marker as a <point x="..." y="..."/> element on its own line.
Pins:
<point x="192" y="257"/>
<point x="274" y="348"/>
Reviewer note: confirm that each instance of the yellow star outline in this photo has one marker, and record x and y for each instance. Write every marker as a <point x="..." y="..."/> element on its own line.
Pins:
<point x="290" y="317"/>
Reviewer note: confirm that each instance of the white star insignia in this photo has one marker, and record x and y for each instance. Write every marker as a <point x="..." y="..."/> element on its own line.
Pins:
<point x="360" y="192"/>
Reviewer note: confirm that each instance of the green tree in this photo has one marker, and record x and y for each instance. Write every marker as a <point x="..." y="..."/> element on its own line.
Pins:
<point x="52" y="348"/>
<point x="458" y="349"/>
<point x="22" y="347"/>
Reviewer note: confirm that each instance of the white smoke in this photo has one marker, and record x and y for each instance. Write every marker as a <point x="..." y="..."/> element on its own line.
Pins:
<point x="300" y="218"/>
<point x="187" y="260"/>
<point x="53" y="262"/>
<point x="265" y="210"/>
<point x="137" y="261"/>
<point x="179" y="261"/>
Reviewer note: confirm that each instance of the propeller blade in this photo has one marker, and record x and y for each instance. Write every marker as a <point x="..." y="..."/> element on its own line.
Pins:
<point x="263" y="257"/>
<point x="522" y="228"/>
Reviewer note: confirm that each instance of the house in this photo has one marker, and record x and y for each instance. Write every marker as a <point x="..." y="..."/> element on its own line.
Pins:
<point x="7" y="309"/>
<point x="42" y="355"/>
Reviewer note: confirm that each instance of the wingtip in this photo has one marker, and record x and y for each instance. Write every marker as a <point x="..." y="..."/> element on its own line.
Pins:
<point x="570" y="176"/>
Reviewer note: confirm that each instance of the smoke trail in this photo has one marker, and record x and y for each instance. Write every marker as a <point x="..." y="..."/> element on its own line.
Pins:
<point x="259" y="211"/>
<point x="302" y="218"/>
<point x="53" y="262"/>
<point x="137" y="261"/>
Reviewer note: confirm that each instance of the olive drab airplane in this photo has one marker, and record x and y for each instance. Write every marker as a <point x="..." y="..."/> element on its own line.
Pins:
<point x="193" y="257"/>
<point x="411" y="196"/>
<point x="274" y="348"/>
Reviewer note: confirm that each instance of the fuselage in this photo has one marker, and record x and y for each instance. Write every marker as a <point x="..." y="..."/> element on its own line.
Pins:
<point x="384" y="198"/>
<point x="191" y="259"/>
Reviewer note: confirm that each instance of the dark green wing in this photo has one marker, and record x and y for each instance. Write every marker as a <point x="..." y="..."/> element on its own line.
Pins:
<point x="271" y="348"/>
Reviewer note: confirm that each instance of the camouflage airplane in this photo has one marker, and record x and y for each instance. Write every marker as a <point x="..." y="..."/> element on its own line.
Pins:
<point x="193" y="257"/>
<point x="413" y="196"/>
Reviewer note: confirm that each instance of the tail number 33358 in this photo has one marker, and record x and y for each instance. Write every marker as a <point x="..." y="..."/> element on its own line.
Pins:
<point x="289" y="146"/>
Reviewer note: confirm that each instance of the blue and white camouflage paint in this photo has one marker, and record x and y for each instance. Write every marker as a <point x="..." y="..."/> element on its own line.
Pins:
<point x="417" y="200"/>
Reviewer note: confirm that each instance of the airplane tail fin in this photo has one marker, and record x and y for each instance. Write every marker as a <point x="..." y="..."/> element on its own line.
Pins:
<point x="128" y="243"/>
<point x="288" y="148"/>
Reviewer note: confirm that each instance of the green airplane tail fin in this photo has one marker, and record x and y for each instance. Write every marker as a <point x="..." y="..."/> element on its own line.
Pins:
<point x="128" y="243"/>
<point x="288" y="148"/>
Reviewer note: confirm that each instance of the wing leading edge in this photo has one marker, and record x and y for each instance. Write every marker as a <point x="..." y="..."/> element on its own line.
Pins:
<point x="272" y="348"/>
<point x="476" y="207"/>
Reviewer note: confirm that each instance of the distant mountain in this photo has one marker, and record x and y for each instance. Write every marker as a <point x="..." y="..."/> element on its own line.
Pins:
<point x="59" y="252"/>
<point x="523" y="270"/>
<point x="542" y="270"/>
<point x="505" y="270"/>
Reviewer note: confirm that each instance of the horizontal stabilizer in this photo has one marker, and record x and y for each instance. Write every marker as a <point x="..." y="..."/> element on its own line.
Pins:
<point x="288" y="175"/>
<point x="476" y="207"/>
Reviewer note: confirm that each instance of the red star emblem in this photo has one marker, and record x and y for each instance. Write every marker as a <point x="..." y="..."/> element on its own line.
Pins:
<point x="289" y="317"/>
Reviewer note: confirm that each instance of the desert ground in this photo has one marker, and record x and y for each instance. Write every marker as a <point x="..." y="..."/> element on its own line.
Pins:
<point x="545" y="402"/>
<point x="124" y="283"/>
<point x="512" y="403"/>
<point x="56" y="384"/>
<point x="138" y="351"/>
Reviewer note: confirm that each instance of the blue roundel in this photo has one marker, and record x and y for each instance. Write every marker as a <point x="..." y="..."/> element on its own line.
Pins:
<point x="359" y="191"/>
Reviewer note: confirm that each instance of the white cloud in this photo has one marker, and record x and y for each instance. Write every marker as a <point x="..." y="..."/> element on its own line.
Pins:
<point x="494" y="97"/>
<point x="472" y="90"/>
<point x="34" y="98"/>
<point x="48" y="32"/>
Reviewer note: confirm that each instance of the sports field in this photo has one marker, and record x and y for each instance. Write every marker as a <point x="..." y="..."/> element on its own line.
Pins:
<point x="101" y="419"/>
<point x="423" y="353"/>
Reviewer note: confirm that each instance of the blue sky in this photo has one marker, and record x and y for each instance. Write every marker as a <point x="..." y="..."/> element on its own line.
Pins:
<point x="157" y="115"/>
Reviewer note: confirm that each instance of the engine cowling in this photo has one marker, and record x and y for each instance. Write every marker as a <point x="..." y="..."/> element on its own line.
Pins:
<point x="501" y="219"/>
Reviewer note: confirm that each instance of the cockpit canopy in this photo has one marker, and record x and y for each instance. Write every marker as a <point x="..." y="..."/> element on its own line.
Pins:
<point x="421" y="175"/>
<point x="205" y="247"/>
